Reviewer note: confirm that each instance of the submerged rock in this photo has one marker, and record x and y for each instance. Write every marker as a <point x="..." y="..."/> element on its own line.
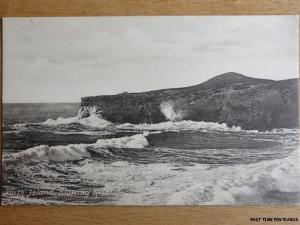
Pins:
<point x="229" y="98"/>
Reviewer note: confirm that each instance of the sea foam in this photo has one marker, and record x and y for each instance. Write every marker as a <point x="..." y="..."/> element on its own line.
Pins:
<point x="51" y="153"/>
<point x="77" y="151"/>
<point x="90" y="117"/>
<point x="181" y="126"/>
<point x="244" y="184"/>
<point x="93" y="120"/>
<point x="199" y="184"/>
<point x="135" y="141"/>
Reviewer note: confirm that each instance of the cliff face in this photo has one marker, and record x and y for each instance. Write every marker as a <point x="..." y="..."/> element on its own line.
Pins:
<point x="228" y="98"/>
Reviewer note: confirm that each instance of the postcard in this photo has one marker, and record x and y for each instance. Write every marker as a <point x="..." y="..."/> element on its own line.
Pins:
<point x="158" y="110"/>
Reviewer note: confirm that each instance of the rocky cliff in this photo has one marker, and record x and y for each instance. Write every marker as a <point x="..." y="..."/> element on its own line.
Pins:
<point x="229" y="98"/>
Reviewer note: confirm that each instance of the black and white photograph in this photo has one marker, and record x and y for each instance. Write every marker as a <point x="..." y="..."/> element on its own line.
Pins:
<point x="151" y="110"/>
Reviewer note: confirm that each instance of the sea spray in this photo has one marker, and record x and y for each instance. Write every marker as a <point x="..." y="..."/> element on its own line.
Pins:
<point x="87" y="116"/>
<point x="168" y="109"/>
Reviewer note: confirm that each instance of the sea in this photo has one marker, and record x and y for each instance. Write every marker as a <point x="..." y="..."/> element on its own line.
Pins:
<point x="51" y="155"/>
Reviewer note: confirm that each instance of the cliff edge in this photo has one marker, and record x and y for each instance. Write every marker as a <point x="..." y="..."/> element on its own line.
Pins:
<point x="229" y="98"/>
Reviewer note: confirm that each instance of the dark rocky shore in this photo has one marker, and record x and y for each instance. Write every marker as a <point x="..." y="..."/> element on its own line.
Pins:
<point x="229" y="98"/>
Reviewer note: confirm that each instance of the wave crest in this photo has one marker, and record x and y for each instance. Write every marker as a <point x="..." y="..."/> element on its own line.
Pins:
<point x="135" y="141"/>
<point x="51" y="153"/>
<point x="77" y="151"/>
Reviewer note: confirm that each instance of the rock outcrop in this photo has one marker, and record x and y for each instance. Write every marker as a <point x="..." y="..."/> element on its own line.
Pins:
<point x="229" y="98"/>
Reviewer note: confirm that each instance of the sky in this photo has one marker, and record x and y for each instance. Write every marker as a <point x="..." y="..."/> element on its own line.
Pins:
<point x="63" y="59"/>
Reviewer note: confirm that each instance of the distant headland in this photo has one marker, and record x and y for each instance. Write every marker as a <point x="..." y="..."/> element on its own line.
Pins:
<point x="230" y="98"/>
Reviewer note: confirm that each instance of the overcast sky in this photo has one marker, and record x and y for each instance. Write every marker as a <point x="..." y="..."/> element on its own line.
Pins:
<point x="64" y="59"/>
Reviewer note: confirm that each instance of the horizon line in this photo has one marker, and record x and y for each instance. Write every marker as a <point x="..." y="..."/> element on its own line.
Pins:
<point x="39" y="102"/>
<point x="57" y="102"/>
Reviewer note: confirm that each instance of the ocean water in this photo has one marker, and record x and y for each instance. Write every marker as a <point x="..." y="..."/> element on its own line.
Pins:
<point x="51" y="156"/>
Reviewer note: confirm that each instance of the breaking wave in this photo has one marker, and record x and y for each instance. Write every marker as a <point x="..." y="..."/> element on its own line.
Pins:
<point x="181" y="125"/>
<point x="77" y="151"/>
<point x="93" y="120"/>
<point x="51" y="153"/>
<point x="268" y="182"/>
<point x="135" y="141"/>
<point x="130" y="168"/>
<point x="88" y="116"/>
<point x="97" y="122"/>
<point x="189" y="125"/>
